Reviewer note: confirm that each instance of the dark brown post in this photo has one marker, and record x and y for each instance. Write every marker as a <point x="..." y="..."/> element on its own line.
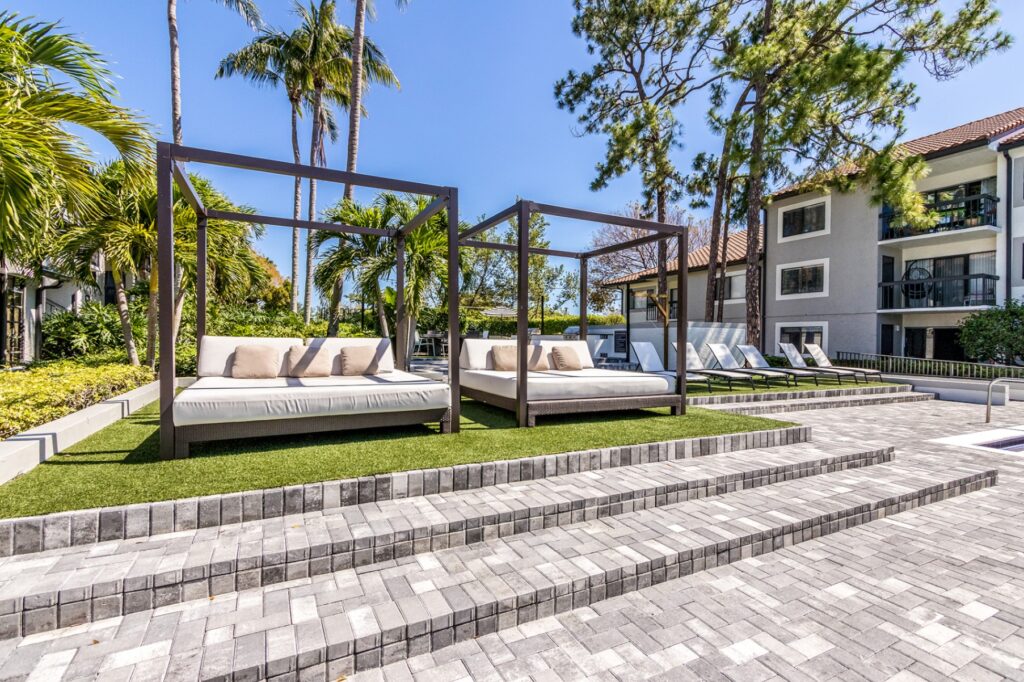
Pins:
<point x="453" y="307"/>
<point x="401" y="323"/>
<point x="522" y="311"/>
<point x="583" y="299"/>
<point x="165" y="257"/>
<point x="682" y="327"/>
<point x="201" y="281"/>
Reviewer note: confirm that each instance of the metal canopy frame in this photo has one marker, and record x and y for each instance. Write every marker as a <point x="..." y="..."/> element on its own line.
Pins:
<point x="171" y="160"/>
<point x="523" y="210"/>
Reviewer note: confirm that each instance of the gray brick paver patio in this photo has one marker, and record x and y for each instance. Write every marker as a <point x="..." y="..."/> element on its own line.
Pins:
<point x="936" y="591"/>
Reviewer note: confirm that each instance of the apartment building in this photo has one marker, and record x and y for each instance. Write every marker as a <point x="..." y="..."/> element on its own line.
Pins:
<point x="850" y="275"/>
<point x="853" y="276"/>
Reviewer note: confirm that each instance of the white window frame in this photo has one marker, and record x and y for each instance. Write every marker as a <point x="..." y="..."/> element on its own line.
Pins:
<point x="743" y="298"/>
<point x="779" y="296"/>
<point x="826" y="199"/>
<point x="800" y="323"/>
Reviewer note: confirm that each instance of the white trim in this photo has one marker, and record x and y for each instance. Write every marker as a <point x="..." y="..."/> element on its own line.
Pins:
<point x="779" y="296"/>
<point x="826" y="199"/>
<point x="800" y="323"/>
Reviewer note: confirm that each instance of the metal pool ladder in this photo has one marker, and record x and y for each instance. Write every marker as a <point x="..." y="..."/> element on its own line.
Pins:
<point x="992" y="385"/>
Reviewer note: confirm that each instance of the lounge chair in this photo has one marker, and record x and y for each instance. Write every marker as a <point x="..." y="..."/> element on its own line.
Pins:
<point x="754" y="358"/>
<point x="797" y="361"/>
<point x="696" y="365"/>
<point x="822" y="361"/>
<point x="553" y="391"/>
<point x="650" y="363"/>
<point x="727" y="361"/>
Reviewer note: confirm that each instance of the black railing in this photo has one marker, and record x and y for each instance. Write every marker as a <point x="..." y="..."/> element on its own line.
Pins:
<point x="653" y="316"/>
<point x="896" y="364"/>
<point x="956" y="214"/>
<point x="938" y="292"/>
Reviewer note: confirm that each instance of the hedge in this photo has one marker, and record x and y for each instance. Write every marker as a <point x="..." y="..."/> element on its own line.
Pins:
<point x="48" y="390"/>
<point x="553" y="324"/>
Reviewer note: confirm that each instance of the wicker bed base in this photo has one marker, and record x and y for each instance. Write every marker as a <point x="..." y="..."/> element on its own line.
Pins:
<point x="540" y="408"/>
<point x="184" y="436"/>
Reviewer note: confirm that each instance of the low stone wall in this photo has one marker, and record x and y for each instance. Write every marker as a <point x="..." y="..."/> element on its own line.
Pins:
<point x="75" y="528"/>
<point x="768" y="396"/>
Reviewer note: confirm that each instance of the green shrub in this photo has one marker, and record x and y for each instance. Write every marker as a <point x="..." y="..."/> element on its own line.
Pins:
<point x="96" y="329"/>
<point x="995" y="334"/>
<point x="553" y="324"/>
<point x="48" y="390"/>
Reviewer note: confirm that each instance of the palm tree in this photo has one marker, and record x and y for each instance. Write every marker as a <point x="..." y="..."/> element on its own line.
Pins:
<point x="49" y="83"/>
<point x="328" y="59"/>
<point x="247" y="9"/>
<point x="363" y="7"/>
<point x="278" y="58"/>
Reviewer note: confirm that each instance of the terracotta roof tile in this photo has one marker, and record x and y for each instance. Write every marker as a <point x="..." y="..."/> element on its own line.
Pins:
<point x="736" y="252"/>
<point x="1012" y="140"/>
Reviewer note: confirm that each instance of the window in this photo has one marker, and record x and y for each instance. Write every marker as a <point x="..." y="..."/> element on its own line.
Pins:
<point x="811" y="218"/>
<point x="798" y="335"/>
<point x="808" y="279"/>
<point x="735" y="287"/>
<point x="641" y="300"/>
<point x="804" y="220"/>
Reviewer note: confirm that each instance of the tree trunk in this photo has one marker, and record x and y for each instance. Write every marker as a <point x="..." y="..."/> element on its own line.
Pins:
<point x="296" y="207"/>
<point x="172" y="31"/>
<point x="663" y="298"/>
<point x="179" y="303"/>
<point x="334" y="311"/>
<point x="152" y="316"/>
<point x="755" y="190"/>
<point x="355" y="104"/>
<point x="315" y="155"/>
<point x="382" y="315"/>
<point x="725" y="252"/>
<point x="716" y="226"/>
<point x="126" y="319"/>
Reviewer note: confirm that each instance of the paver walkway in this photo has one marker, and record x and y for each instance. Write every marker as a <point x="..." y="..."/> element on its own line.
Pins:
<point x="935" y="593"/>
<point x="817" y="571"/>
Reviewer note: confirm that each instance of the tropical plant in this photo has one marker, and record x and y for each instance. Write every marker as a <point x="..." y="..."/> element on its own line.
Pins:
<point x="96" y="328"/>
<point x="327" y="54"/>
<point x="50" y="83"/>
<point x="995" y="334"/>
<point x="278" y="58"/>
<point x="356" y="85"/>
<point x="247" y="9"/>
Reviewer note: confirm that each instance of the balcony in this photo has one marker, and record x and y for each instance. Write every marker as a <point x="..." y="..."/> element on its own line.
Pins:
<point x="652" y="312"/>
<point x="938" y="293"/>
<point x="974" y="213"/>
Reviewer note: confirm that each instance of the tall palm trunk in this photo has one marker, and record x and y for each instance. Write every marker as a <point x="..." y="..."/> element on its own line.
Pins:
<point x="121" y="297"/>
<point x="382" y="313"/>
<point x="355" y="104"/>
<point x="151" y="314"/>
<point x="315" y="156"/>
<point x="172" y="31"/>
<point x="296" y="207"/>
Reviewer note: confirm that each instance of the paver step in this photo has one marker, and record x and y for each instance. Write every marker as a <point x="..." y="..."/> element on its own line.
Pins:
<point x="66" y="587"/>
<point x="803" y="393"/>
<point x="779" y="406"/>
<point x="362" y="618"/>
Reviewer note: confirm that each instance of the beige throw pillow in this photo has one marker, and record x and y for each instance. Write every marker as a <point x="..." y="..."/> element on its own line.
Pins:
<point x="566" y="358"/>
<point x="253" y="361"/>
<point x="359" y="360"/>
<point x="309" y="361"/>
<point x="506" y="358"/>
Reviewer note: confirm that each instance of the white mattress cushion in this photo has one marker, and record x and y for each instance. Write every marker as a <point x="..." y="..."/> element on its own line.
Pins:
<point x="558" y="385"/>
<point x="476" y="353"/>
<point x="582" y="349"/>
<point x="385" y="358"/>
<point x="213" y="400"/>
<point x="217" y="353"/>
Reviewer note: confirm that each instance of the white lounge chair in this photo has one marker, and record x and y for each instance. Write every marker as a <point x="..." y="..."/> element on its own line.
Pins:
<point x="696" y="365"/>
<point x="797" y="361"/>
<point x="650" y="363"/>
<point x="757" y="361"/>
<point x="822" y="361"/>
<point x="727" y="361"/>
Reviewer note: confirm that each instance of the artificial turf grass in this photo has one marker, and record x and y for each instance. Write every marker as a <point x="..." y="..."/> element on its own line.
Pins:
<point x="696" y="389"/>
<point x="120" y="464"/>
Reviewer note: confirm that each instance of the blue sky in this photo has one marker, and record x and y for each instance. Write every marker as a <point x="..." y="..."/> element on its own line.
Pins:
<point x="476" y="108"/>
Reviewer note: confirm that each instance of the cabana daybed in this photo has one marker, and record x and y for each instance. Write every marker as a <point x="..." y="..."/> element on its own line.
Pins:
<point x="262" y="387"/>
<point x="220" y="406"/>
<point x="534" y="382"/>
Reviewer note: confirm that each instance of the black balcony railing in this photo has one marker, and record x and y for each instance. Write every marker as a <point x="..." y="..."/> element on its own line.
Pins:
<point x="652" y="312"/>
<point x="938" y="292"/>
<point x="956" y="214"/>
